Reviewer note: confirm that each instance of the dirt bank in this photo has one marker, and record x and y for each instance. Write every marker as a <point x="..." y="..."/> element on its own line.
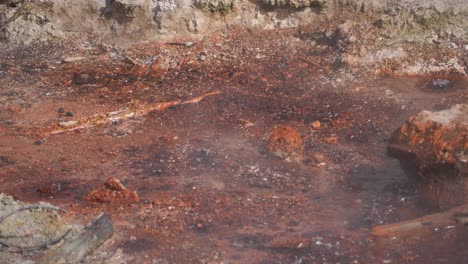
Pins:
<point x="409" y="38"/>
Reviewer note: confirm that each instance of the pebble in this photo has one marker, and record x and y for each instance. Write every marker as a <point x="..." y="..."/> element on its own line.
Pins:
<point x="440" y="83"/>
<point x="389" y="92"/>
<point x="61" y="110"/>
<point x="201" y="57"/>
<point x="68" y="113"/>
<point x="331" y="140"/>
<point x="39" y="142"/>
<point x="453" y="45"/>
<point x="189" y="44"/>
<point x="316" y="124"/>
<point x="329" y="33"/>
<point x="68" y="123"/>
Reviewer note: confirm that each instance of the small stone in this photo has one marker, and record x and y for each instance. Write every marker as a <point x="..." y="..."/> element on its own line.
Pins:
<point x="39" y="141"/>
<point x="202" y="56"/>
<point x="68" y="123"/>
<point x="61" y="110"/>
<point x="331" y="140"/>
<point x="389" y="92"/>
<point x="316" y="125"/>
<point x="72" y="59"/>
<point x="189" y="44"/>
<point x="441" y="83"/>
<point x="68" y="113"/>
<point x="259" y="56"/>
<point x="346" y="27"/>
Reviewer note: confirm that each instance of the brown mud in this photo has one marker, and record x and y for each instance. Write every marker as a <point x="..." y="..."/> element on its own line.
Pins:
<point x="210" y="190"/>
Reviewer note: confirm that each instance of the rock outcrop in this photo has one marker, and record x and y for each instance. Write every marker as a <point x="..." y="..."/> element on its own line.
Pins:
<point x="433" y="149"/>
<point x="376" y="34"/>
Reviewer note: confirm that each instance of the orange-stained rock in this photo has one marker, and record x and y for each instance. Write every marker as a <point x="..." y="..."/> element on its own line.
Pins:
<point x="316" y="124"/>
<point x="433" y="149"/>
<point x="331" y="140"/>
<point x="286" y="143"/>
<point x="113" y="191"/>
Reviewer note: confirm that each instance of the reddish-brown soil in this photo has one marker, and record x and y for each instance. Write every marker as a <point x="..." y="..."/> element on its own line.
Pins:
<point x="210" y="190"/>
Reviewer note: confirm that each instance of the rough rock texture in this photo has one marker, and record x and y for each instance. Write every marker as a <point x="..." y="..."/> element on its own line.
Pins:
<point x="16" y="229"/>
<point x="286" y="143"/>
<point x="113" y="191"/>
<point x="380" y="34"/>
<point x="433" y="148"/>
<point x="88" y="240"/>
<point x="138" y="20"/>
<point x="46" y="224"/>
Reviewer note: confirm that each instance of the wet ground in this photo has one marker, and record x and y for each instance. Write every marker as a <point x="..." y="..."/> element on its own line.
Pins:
<point x="211" y="191"/>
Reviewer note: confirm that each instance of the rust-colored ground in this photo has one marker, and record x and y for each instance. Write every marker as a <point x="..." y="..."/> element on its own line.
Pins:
<point x="210" y="190"/>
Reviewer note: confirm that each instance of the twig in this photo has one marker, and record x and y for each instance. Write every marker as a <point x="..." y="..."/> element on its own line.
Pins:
<point x="435" y="220"/>
<point x="15" y="15"/>
<point x="185" y="44"/>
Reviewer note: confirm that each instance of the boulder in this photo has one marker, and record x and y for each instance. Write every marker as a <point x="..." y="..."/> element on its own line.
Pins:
<point x="432" y="148"/>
